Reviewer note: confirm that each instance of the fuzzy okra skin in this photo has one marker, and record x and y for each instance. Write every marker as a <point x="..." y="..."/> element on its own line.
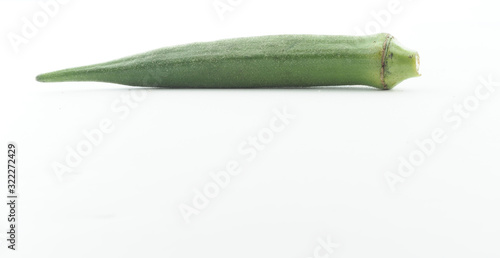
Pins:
<point x="267" y="61"/>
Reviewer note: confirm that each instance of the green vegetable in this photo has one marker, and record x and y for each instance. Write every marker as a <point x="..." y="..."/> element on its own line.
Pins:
<point x="267" y="61"/>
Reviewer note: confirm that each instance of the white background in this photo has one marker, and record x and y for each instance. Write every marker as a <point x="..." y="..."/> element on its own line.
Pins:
<point x="323" y="177"/>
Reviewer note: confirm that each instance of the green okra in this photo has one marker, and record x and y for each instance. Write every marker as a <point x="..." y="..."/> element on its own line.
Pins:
<point x="255" y="62"/>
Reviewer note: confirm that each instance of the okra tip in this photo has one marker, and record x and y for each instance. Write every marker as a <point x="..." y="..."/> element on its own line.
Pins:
<point x="41" y="78"/>
<point x="71" y="74"/>
<point x="47" y="77"/>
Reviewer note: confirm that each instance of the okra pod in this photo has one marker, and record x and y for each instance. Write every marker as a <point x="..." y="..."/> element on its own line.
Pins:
<point x="267" y="61"/>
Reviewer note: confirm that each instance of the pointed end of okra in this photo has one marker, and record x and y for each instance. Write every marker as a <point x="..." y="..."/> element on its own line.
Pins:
<point x="41" y="78"/>
<point x="399" y="63"/>
<point x="72" y="74"/>
<point x="49" y="77"/>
